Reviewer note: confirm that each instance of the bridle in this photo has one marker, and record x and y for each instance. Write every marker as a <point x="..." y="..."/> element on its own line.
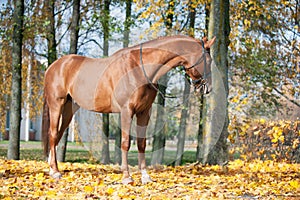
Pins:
<point x="198" y="83"/>
<point x="202" y="81"/>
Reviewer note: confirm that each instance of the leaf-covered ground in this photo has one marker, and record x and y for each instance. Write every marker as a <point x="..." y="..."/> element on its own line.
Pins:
<point x="239" y="179"/>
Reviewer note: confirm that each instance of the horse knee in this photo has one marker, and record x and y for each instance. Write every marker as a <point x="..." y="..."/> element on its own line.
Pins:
<point x="141" y="144"/>
<point x="125" y="144"/>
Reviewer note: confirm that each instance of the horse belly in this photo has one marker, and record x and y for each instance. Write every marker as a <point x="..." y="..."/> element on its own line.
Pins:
<point x="104" y="100"/>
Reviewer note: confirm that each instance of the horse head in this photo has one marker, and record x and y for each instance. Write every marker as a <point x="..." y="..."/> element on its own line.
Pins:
<point x="198" y="67"/>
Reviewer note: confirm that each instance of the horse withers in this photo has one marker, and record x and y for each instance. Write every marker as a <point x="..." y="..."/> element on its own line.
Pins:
<point x="125" y="83"/>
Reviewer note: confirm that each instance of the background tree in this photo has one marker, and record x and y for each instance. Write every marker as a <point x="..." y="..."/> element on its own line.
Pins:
<point x="74" y="30"/>
<point x="5" y="65"/>
<point x="269" y="43"/>
<point x="186" y="95"/>
<point x="105" y="21"/>
<point x="216" y="114"/>
<point x="16" y="88"/>
<point x="50" y="27"/>
<point x="199" y="150"/>
<point x="127" y="24"/>
<point x="159" y="137"/>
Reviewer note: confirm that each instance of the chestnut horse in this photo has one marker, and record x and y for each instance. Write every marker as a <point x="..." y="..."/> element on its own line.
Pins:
<point x="125" y="83"/>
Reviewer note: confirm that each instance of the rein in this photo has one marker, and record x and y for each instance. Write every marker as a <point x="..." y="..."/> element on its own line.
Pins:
<point x="201" y="80"/>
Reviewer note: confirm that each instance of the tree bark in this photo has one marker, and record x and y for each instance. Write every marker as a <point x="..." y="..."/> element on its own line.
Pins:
<point x="16" y="88"/>
<point x="185" y="103"/>
<point x="127" y="23"/>
<point x="52" y="53"/>
<point x="74" y="30"/>
<point x="118" y="140"/>
<point x="182" y="127"/>
<point x="215" y="106"/>
<point x="159" y="137"/>
<point x="105" y="159"/>
<point x="199" y="152"/>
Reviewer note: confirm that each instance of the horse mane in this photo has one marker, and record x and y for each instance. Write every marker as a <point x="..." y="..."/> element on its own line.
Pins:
<point x="169" y="37"/>
<point x="159" y="39"/>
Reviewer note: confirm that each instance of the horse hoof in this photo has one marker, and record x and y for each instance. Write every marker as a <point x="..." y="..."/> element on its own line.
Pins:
<point x="146" y="179"/>
<point x="56" y="175"/>
<point x="127" y="181"/>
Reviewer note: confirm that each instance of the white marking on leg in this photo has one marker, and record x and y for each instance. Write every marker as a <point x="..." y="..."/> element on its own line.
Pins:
<point x="145" y="177"/>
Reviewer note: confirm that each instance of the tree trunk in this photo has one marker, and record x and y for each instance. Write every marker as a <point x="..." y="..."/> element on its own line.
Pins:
<point x="105" y="159"/>
<point x="159" y="138"/>
<point x="127" y="24"/>
<point x="182" y="127"/>
<point x="118" y="152"/>
<point x="199" y="152"/>
<point x="216" y="114"/>
<point x="16" y="88"/>
<point x="74" y="29"/>
<point x="185" y="103"/>
<point x="52" y="53"/>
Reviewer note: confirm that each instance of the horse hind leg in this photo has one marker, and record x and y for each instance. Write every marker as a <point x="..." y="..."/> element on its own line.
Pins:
<point x="60" y="117"/>
<point x="55" y="108"/>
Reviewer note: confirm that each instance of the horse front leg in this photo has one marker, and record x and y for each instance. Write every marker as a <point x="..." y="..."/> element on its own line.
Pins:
<point x="126" y="119"/>
<point x="142" y="123"/>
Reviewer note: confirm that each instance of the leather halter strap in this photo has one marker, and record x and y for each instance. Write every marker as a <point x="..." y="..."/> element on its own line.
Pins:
<point x="145" y="74"/>
<point x="201" y="80"/>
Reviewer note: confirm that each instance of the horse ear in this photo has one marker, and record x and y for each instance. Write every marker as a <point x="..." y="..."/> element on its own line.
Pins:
<point x="209" y="43"/>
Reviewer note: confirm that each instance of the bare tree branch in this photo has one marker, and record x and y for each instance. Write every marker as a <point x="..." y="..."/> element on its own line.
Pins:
<point x="286" y="97"/>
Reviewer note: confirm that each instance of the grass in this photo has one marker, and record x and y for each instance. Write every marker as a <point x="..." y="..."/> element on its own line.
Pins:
<point x="32" y="150"/>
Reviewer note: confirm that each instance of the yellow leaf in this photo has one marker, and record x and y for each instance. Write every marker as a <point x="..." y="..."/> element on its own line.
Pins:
<point x="281" y="138"/>
<point x="109" y="191"/>
<point x="51" y="193"/>
<point x="275" y="140"/>
<point x="262" y="121"/>
<point x="295" y="184"/>
<point x="88" y="189"/>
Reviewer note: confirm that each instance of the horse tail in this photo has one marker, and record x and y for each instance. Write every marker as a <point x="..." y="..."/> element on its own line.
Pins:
<point x="45" y="128"/>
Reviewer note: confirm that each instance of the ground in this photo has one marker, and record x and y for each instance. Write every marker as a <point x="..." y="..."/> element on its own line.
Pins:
<point x="29" y="179"/>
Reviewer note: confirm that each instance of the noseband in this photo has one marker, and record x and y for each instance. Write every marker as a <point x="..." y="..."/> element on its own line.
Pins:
<point x="202" y="81"/>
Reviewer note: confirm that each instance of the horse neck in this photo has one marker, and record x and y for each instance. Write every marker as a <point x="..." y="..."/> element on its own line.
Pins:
<point x="161" y="57"/>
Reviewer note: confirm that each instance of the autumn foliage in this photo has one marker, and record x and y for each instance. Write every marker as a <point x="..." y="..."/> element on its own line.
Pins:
<point x="261" y="139"/>
<point x="239" y="179"/>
